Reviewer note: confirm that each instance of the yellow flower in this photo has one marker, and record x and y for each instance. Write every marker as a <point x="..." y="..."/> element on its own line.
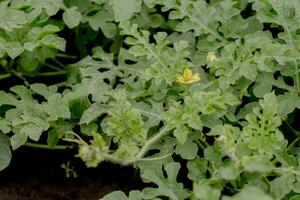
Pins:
<point x="211" y="56"/>
<point x="188" y="77"/>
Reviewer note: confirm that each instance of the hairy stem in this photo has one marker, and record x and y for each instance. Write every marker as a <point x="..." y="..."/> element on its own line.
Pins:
<point x="19" y="75"/>
<point x="293" y="144"/>
<point x="52" y="67"/>
<point x="59" y="63"/>
<point x="202" y="147"/>
<point x="156" y="158"/>
<point x="164" y="130"/>
<point x="4" y="76"/>
<point x="45" y="146"/>
<point x="61" y="55"/>
<point x="52" y="73"/>
<point x="296" y="133"/>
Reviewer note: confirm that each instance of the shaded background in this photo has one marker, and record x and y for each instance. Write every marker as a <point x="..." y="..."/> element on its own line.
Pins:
<point x="37" y="174"/>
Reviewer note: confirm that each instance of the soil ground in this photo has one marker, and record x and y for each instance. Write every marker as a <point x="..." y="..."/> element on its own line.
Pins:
<point x="36" y="174"/>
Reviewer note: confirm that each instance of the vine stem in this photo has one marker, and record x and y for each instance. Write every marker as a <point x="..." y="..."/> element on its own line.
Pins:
<point x="53" y="67"/>
<point x="4" y="76"/>
<point x="202" y="147"/>
<point x="112" y="159"/>
<point x="149" y="143"/>
<point x="61" y="55"/>
<point x="60" y="84"/>
<point x="297" y="77"/>
<point x="156" y="158"/>
<point x="52" y="73"/>
<point x="19" y="75"/>
<point x="58" y="63"/>
<point x="296" y="133"/>
<point x="287" y="169"/>
<point x="45" y="146"/>
<point x="293" y="144"/>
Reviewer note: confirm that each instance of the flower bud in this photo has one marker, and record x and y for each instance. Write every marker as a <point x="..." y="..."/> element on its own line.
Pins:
<point x="211" y="56"/>
<point x="3" y="63"/>
<point x="298" y="46"/>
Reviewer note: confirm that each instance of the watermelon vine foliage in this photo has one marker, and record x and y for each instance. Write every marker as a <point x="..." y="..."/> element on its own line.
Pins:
<point x="208" y="90"/>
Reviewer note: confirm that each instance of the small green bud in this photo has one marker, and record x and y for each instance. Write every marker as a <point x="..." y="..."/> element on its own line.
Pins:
<point x="3" y="62"/>
<point x="211" y="57"/>
<point x="298" y="46"/>
<point x="284" y="118"/>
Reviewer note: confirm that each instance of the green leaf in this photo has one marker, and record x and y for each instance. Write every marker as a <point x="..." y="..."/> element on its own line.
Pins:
<point x="17" y="140"/>
<point x="200" y="23"/>
<point x="23" y="93"/>
<point x="205" y="191"/>
<point x="72" y="17"/>
<point x="246" y="109"/>
<point x="260" y="164"/>
<point x="119" y="195"/>
<point x="53" y="137"/>
<point x="166" y="186"/>
<point x="181" y="134"/>
<point x="288" y="102"/>
<point x="43" y="31"/>
<point x="296" y="187"/>
<point x="36" y="33"/>
<point x="195" y="122"/>
<point x="57" y="108"/>
<point x="103" y="20"/>
<point x="14" y="49"/>
<point x="124" y="9"/>
<point x="283" y="13"/>
<point x="61" y="128"/>
<point x="229" y="172"/>
<point x="2" y="47"/>
<point x="151" y="112"/>
<point x="282" y="185"/>
<point x="89" y="129"/>
<point x="28" y="119"/>
<point x="5" y="155"/>
<point x="248" y="70"/>
<point x="5" y="126"/>
<point x="92" y="113"/>
<point x="115" y="196"/>
<point x="29" y="62"/>
<point x="197" y="168"/>
<point x="43" y="90"/>
<point x="261" y="133"/>
<point x="187" y="151"/>
<point x="295" y="197"/>
<point x="261" y="89"/>
<point x="32" y="130"/>
<point x="213" y="155"/>
<point x="11" y="18"/>
<point x="250" y="193"/>
<point x="50" y="6"/>
<point x="164" y="62"/>
<point x="54" y="42"/>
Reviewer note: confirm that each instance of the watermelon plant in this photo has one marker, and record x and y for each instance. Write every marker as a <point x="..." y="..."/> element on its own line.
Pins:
<point x="202" y="97"/>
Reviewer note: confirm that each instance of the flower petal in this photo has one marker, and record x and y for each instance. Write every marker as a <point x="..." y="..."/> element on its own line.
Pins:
<point x="196" y="77"/>
<point x="187" y="74"/>
<point x="211" y="56"/>
<point x="180" y="80"/>
<point x="188" y="77"/>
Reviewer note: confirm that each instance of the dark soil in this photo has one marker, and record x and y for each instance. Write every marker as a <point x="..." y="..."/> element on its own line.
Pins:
<point x="36" y="174"/>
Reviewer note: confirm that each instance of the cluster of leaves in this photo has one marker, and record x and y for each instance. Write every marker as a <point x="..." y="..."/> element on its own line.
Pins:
<point x="231" y="135"/>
